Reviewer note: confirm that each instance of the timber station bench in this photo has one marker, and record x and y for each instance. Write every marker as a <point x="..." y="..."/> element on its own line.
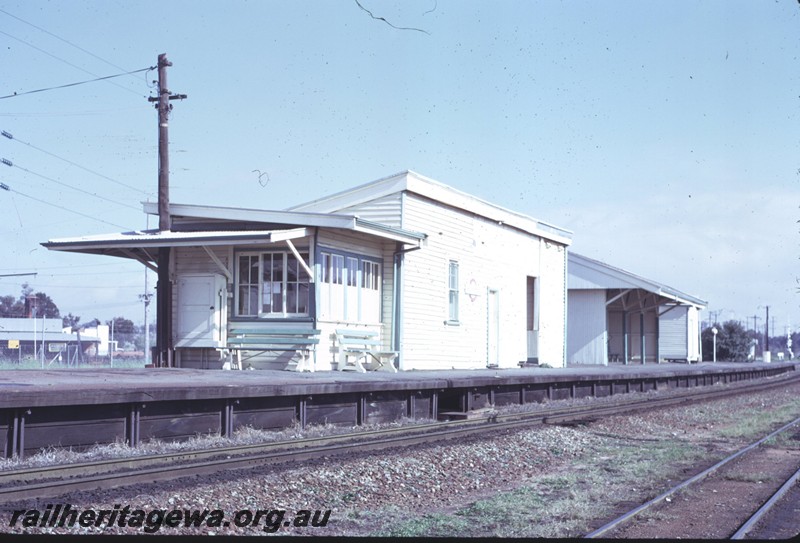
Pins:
<point x="359" y="350"/>
<point x="302" y="340"/>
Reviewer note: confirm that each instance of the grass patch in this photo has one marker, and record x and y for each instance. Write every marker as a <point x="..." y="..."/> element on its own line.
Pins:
<point x="749" y="477"/>
<point x="757" y="422"/>
<point x="562" y="504"/>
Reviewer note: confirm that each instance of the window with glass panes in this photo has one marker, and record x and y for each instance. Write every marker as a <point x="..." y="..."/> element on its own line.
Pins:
<point x="272" y="283"/>
<point x="349" y="288"/>
<point x="452" y="291"/>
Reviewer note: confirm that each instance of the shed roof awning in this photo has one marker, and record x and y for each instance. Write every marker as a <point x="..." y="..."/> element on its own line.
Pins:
<point x="587" y="273"/>
<point x="207" y="226"/>
<point x="155" y="238"/>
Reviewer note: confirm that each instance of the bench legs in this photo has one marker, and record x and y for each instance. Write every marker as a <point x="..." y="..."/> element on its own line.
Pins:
<point x="231" y="363"/>
<point x="306" y="363"/>
<point x="361" y="361"/>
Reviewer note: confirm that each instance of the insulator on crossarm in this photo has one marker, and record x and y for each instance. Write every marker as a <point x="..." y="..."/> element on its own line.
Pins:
<point x="8" y="135"/>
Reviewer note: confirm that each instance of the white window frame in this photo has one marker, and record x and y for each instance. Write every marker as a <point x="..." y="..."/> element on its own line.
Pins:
<point x="284" y="282"/>
<point x="354" y="294"/>
<point x="453" y="284"/>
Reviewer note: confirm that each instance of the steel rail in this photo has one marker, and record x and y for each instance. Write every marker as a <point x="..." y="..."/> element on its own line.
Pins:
<point x="767" y="507"/>
<point x="703" y="474"/>
<point x="551" y="416"/>
<point x="150" y="468"/>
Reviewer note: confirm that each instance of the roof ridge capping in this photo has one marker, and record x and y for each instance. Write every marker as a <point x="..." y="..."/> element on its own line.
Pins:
<point x="662" y="288"/>
<point x="411" y="181"/>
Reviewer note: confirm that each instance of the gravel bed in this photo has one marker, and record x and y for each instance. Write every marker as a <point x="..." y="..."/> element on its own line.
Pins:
<point x="368" y="491"/>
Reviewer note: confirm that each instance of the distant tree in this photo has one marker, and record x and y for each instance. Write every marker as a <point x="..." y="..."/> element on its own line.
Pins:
<point x="733" y="342"/>
<point x="70" y="320"/>
<point x="11" y="307"/>
<point x="23" y="306"/>
<point x="124" y="330"/>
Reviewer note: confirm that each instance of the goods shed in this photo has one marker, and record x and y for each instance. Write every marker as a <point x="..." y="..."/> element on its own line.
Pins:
<point x="616" y="316"/>
<point x="400" y="273"/>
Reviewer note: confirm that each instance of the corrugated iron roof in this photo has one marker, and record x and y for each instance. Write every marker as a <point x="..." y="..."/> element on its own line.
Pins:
<point x="635" y="281"/>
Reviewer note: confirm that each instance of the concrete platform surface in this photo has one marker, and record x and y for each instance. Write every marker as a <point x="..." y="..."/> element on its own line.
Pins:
<point x="108" y="385"/>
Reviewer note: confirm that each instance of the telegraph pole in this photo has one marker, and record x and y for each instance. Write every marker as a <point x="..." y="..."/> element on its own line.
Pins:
<point x="164" y="286"/>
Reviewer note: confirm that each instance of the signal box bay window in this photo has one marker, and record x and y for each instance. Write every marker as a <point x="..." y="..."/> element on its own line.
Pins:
<point x="272" y="284"/>
<point x="350" y="288"/>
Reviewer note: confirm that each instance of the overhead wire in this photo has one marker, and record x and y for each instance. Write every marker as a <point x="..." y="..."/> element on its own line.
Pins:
<point x="9" y="189"/>
<point x="15" y="94"/>
<point x="9" y="163"/>
<point x="62" y="39"/>
<point x="68" y="63"/>
<point x="12" y="138"/>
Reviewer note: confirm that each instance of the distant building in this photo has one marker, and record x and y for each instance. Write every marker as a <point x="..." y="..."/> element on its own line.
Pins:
<point x="616" y="316"/>
<point x="25" y="337"/>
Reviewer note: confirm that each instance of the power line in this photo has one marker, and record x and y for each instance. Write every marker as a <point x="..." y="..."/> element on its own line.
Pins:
<point x="12" y="138"/>
<point x="5" y="187"/>
<point x="65" y="61"/>
<point x="62" y="39"/>
<point x="15" y="94"/>
<point x="9" y="163"/>
<point x="72" y="113"/>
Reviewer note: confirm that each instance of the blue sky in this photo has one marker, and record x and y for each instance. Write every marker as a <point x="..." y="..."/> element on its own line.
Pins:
<point x="664" y="134"/>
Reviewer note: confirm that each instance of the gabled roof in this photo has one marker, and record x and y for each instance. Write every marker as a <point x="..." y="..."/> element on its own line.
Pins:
<point x="413" y="182"/>
<point x="587" y="273"/>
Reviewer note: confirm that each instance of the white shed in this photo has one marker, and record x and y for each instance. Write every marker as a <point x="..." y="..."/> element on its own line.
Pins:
<point x="616" y="316"/>
<point x="487" y="288"/>
<point x="442" y="278"/>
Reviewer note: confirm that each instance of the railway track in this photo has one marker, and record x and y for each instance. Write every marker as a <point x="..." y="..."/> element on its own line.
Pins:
<point x="777" y="518"/>
<point x="626" y="524"/>
<point x="52" y="481"/>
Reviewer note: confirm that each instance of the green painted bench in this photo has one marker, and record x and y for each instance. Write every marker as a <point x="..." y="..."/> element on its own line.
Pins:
<point x="303" y="341"/>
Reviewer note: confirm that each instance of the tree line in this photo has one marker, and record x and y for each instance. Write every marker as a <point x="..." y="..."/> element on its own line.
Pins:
<point x="735" y="343"/>
<point x="128" y="335"/>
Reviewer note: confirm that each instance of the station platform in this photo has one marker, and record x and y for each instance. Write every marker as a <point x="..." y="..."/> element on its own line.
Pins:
<point x="35" y="388"/>
<point x="77" y="408"/>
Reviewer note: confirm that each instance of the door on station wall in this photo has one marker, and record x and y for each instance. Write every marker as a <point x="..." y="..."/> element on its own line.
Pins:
<point x="201" y="311"/>
<point x="532" y="326"/>
<point x="493" y="328"/>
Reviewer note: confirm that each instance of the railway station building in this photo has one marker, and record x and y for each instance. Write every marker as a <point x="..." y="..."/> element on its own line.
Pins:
<point x="619" y="317"/>
<point x="401" y="273"/>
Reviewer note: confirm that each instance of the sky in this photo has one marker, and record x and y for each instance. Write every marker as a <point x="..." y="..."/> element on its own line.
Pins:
<point x="665" y="135"/>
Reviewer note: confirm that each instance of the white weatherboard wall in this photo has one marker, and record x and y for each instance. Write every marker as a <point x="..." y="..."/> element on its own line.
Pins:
<point x="490" y="256"/>
<point x="679" y="330"/>
<point x="386" y="210"/>
<point x="553" y="303"/>
<point x="673" y="341"/>
<point x="327" y="351"/>
<point x="586" y="322"/>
